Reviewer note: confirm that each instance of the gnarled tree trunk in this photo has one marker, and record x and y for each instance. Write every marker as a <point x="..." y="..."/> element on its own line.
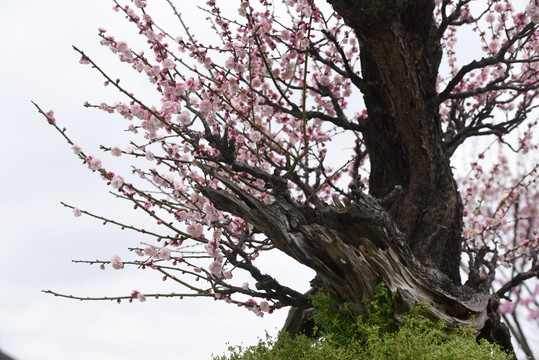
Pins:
<point x="407" y="232"/>
<point x="354" y="248"/>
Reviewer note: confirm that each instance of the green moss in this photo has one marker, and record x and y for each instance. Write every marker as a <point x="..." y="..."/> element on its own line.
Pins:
<point x="341" y="337"/>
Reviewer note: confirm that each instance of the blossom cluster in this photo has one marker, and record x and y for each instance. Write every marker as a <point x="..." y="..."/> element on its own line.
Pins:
<point x="504" y="89"/>
<point x="256" y="114"/>
<point x="502" y="219"/>
<point x="532" y="10"/>
<point x="237" y="117"/>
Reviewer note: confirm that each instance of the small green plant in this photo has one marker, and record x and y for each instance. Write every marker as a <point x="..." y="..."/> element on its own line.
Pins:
<point x="340" y="336"/>
<point x="380" y="310"/>
<point x="340" y="326"/>
<point x="335" y="326"/>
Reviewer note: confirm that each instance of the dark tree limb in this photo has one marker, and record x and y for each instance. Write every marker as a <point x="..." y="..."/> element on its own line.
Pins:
<point x="517" y="280"/>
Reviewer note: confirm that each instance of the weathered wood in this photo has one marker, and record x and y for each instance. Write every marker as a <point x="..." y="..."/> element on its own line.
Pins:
<point x="352" y="250"/>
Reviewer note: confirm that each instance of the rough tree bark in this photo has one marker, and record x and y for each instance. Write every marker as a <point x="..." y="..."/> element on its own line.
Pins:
<point x="400" y="54"/>
<point x="409" y="238"/>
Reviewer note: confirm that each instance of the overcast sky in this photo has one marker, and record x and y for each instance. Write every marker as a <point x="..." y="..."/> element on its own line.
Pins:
<point x="39" y="237"/>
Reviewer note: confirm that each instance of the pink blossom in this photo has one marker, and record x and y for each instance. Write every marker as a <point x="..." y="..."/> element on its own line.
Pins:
<point x="149" y="155"/>
<point x="150" y="35"/>
<point x="285" y="35"/>
<point x="215" y="267"/>
<point x="205" y="107"/>
<point x="227" y="274"/>
<point x="230" y="62"/>
<point x="195" y="230"/>
<point x="76" y="149"/>
<point x="93" y="163"/>
<point x="184" y="118"/>
<point x="117" y="182"/>
<point x="77" y="212"/>
<point x="169" y="64"/>
<point x="50" y="116"/>
<point x="151" y="251"/>
<point x="211" y="249"/>
<point x="245" y="286"/>
<point x="494" y="46"/>
<point x="324" y="81"/>
<point x="165" y="253"/>
<point x="116" y="262"/>
<point x="122" y="46"/>
<point x="116" y="151"/>
<point x="532" y="10"/>
<point x="264" y="306"/>
<point x="256" y="136"/>
<point x="138" y="295"/>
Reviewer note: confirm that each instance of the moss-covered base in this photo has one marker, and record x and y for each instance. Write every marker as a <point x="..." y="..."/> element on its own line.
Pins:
<point x="376" y="337"/>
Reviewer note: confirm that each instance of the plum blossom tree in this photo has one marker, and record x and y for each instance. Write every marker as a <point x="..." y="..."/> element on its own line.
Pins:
<point x="246" y="155"/>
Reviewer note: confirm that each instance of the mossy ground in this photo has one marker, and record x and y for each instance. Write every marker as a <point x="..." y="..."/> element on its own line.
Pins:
<point x="376" y="337"/>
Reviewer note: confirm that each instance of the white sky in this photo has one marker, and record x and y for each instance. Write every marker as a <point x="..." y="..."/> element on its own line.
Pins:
<point x="39" y="237"/>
